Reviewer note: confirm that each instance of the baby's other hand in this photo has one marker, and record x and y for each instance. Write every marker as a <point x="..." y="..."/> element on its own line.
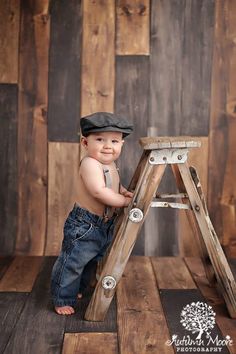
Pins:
<point x="128" y="194"/>
<point x="127" y="200"/>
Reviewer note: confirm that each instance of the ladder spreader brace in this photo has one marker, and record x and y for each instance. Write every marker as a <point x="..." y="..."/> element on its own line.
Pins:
<point x="157" y="154"/>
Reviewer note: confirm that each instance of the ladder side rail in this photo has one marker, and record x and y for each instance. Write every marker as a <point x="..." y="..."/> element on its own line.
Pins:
<point x="224" y="276"/>
<point x="124" y="240"/>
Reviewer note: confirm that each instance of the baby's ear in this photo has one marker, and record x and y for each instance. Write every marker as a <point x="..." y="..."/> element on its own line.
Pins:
<point x="84" y="141"/>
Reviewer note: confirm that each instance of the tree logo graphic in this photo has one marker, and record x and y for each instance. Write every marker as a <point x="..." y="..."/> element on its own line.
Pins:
<point x="198" y="317"/>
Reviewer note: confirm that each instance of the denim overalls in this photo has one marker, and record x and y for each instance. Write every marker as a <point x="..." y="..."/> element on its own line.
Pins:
<point x="86" y="238"/>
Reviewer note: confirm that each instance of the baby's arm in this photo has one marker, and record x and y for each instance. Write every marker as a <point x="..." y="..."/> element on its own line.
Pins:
<point x="93" y="178"/>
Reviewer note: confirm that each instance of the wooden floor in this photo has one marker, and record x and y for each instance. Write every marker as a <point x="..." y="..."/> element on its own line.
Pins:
<point x="144" y="315"/>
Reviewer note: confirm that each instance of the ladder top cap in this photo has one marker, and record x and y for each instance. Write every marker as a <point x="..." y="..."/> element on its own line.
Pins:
<point x="165" y="142"/>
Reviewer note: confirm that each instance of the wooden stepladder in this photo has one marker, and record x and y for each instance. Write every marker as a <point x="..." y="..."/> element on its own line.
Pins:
<point x="157" y="154"/>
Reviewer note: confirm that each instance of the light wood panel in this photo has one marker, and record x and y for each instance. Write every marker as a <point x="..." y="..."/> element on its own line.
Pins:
<point x="178" y="276"/>
<point x="98" y="70"/>
<point x="132" y="31"/>
<point x="32" y="123"/>
<point x="63" y="167"/>
<point x="9" y="40"/>
<point x="222" y="168"/>
<point x="21" y="274"/>
<point x="140" y="311"/>
<point x="88" y="343"/>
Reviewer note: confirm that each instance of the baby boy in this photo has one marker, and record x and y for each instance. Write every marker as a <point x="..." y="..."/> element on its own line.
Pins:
<point x="89" y="227"/>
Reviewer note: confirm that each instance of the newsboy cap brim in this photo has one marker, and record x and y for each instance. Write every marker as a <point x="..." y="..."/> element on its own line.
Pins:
<point x="105" y="122"/>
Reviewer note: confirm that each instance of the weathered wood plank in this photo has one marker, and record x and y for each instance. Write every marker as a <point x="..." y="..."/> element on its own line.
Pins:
<point x="229" y="188"/>
<point x="180" y="66"/>
<point x="173" y="310"/>
<point x="4" y="264"/>
<point x="11" y="306"/>
<point x="165" y="142"/>
<point x="9" y="40"/>
<point x="98" y="76"/>
<point x="140" y="310"/>
<point x="39" y="329"/>
<point x="8" y="168"/>
<point x="62" y="190"/>
<point x="88" y="343"/>
<point x="218" y="121"/>
<point x="172" y="273"/>
<point x="32" y="132"/>
<point x="21" y="274"/>
<point x="226" y="324"/>
<point x="132" y="33"/>
<point x="130" y="101"/>
<point x="64" y="74"/>
<point x="199" y="159"/>
<point x="222" y="138"/>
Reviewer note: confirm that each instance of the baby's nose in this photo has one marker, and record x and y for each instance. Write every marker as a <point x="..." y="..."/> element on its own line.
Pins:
<point x="107" y="144"/>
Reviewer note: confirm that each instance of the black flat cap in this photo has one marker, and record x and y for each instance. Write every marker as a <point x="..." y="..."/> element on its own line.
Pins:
<point x="105" y="122"/>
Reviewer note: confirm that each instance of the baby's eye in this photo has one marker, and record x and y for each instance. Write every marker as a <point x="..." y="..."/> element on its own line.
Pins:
<point x="99" y="139"/>
<point x="115" y="141"/>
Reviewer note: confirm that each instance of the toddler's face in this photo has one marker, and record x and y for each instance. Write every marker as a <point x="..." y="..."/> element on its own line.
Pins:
<point x="104" y="147"/>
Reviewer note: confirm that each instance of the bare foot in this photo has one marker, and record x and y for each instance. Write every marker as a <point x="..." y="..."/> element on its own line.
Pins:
<point x="79" y="296"/>
<point x="64" y="310"/>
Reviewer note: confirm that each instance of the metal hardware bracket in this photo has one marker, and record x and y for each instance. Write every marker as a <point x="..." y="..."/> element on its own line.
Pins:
<point x="168" y="156"/>
<point x="170" y="205"/>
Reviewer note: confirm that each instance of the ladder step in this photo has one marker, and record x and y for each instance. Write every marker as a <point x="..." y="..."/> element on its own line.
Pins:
<point x="166" y="196"/>
<point x="170" y="205"/>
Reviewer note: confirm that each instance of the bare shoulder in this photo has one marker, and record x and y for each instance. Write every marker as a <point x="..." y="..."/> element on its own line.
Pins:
<point x="89" y="164"/>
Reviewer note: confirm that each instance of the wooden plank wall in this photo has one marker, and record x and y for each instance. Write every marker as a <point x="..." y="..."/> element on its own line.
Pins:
<point x="168" y="66"/>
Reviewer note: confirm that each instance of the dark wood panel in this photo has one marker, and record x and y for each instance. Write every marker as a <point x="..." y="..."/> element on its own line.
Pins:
<point x="181" y="57"/>
<point x="32" y="126"/>
<point x="11" y="306"/>
<point x="76" y="323"/>
<point x="222" y="167"/>
<point x="8" y="168"/>
<point x="226" y="324"/>
<point x="9" y="39"/>
<point x="132" y="90"/>
<point x="40" y="329"/>
<point x="64" y="71"/>
<point x="173" y="310"/>
<point x="180" y="83"/>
